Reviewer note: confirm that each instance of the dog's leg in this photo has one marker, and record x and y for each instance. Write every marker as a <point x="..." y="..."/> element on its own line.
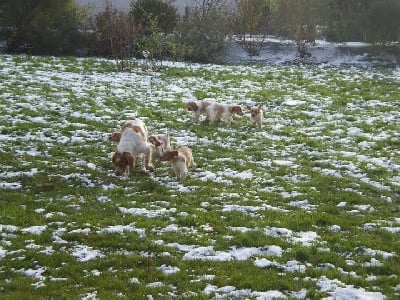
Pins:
<point x="192" y="164"/>
<point x="143" y="165"/>
<point x="175" y="168"/>
<point x="196" y="117"/>
<point x="184" y="174"/>
<point x="147" y="160"/>
<point x="207" y="119"/>
<point x="210" y="118"/>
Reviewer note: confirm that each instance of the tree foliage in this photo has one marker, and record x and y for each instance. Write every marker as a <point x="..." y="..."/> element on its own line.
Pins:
<point x="145" y="12"/>
<point x="115" y="34"/>
<point x="250" y="22"/>
<point x="59" y="26"/>
<point x="344" y="20"/>
<point x="42" y="26"/>
<point x="382" y="23"/>
<point x="298" y="20"/>
<point x="205" y="31"/>
<point x="374" y="21"/>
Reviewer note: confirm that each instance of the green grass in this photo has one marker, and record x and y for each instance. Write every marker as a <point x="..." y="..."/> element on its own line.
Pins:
<point x="325" y="168"/>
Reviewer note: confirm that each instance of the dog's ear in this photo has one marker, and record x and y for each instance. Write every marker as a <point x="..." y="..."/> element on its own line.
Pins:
<point x="236" y="109"/>
<point x="157" y="142"/>
<point x="195" y="106"/>
<point x="259" y="108"/>
<point x="114" y="158"/>
<point x="115" y="137"/>
<point x="190" y="105"/>
<point x="129" y="158"/>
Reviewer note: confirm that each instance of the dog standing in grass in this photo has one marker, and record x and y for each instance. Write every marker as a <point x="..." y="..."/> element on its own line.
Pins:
<point x="180" y="160"/>
<point x="132" y="143"/>
<point x="198" y="108"/>
<point x="161" y="143"/>
<point x="256" y="115"/>
<point x="217" y="111"/>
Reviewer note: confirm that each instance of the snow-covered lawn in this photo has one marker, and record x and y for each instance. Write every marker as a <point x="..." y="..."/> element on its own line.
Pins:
<point x="306" y="208"/>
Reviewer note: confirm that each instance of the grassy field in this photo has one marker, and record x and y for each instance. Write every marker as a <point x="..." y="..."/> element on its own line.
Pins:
<point x="306" y="208"/>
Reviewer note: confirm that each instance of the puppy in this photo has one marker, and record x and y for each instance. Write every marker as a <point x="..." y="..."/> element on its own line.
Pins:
<point x="180" y="159"/>
<point x="256" y="115"/>
<point x="132" y="143"/>
<point x="217" y="111"/>
<point x="161" y="143"/>
<point x="198" y="108"/>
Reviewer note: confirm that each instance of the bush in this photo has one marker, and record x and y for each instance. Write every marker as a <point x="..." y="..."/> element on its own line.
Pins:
<point x="204" y="34"/>
<point x="146" y="11"/>
<point x="383" y="22"/>
<point x="43" y="27"/>
<point x="115" y="34"/>
<point x="250" y="25"/>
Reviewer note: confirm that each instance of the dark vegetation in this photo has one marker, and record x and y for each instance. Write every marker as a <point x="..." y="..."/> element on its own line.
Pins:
<point x="154" y="29"/>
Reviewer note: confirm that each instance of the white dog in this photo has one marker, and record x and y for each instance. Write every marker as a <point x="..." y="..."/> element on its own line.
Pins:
<point x="217" y="111"/>
<point x="161" y="143"/>
<point x="132" y="143"/>
<point x="180" y="159"/>
<point x="198" y="108"/>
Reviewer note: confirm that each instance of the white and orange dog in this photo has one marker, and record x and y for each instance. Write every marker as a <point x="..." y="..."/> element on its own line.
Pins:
<point x="161" y="143"/>
<point x="217" y="111"/>
<point x="180" y="160"/>
<point x="198" y="108"/>
<point x="132" y="143"/>
<point x="256" y="115"/>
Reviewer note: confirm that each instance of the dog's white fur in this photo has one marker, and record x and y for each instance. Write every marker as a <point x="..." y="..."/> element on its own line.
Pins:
<point x="132" y="143"/>
<point x="217" y="111"/>
<point x="198" y="108"/>
<point x="256" y="115"/>
<point x="180" y="160"/>
<point x="161" y="143"/>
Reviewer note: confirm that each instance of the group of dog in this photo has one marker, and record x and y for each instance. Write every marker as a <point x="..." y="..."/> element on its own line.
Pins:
<point x="217" y="111"/>
<point x="134" y="141"/>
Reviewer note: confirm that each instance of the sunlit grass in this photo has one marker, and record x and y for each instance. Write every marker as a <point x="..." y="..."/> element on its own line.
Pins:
<point x="325" y="164"/>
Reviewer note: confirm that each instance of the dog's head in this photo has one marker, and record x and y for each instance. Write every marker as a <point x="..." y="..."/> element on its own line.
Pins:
<point x="122" y="162"/>
<point x="254" y="111"/>
<point x="236" y="109"/>
<point x="155" y="141"/>
<point x="115" y="137"/>
<point x="192" y="106"/>
<point x="168" y="155"/>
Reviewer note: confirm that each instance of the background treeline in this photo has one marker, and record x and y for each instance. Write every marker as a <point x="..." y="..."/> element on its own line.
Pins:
<point x="154" y="29"/>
